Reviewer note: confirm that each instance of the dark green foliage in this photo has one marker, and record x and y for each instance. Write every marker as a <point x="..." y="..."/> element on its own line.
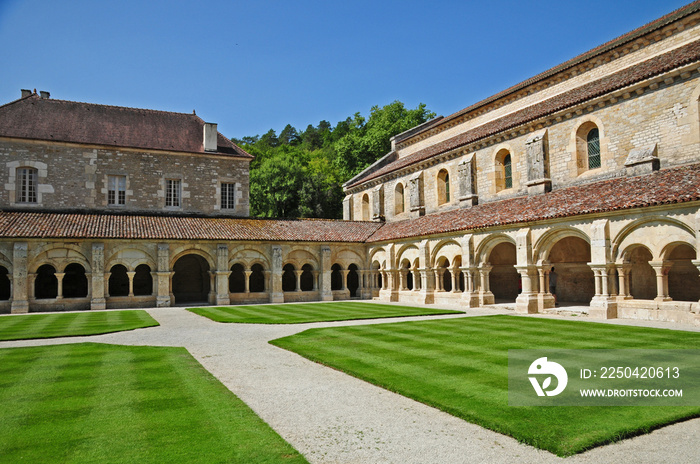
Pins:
<point x="21" y="327"/>
<point x="300" y="174"/>
<point x="460" y="366"/>
<point x="93" y="403"/>
<point x="311" y="312"/>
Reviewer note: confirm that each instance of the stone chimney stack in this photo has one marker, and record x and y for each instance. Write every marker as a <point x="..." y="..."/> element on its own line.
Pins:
<point x="45" y="94"/>
<point x="210" y="135"/>
<point x="26" y="93"/>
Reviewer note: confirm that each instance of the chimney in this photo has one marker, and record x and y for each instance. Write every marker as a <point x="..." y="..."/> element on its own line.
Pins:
<point x="210" y="136"/>
<point x="26" y="93"/>
<point x="45" y="94"/>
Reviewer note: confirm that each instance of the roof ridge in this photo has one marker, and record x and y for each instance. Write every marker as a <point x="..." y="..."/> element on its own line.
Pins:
<point x="148" y="110"/>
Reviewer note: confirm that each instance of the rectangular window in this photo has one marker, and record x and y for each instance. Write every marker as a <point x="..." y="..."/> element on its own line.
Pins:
<point x="116" y="190"/>
<point x="228" y="196"/>
<point x="26" y="185"/>
<point x="172" y="192"/>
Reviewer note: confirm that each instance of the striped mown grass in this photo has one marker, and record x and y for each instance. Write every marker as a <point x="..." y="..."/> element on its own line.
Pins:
<point x="311" y="312"/>
<point x="87" y="402"/>
<point x="461" y="366"/>
<point x="26" y="326"/>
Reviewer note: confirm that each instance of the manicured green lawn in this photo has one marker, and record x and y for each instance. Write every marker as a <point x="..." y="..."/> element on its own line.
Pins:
<point x="26" y="326"/>
<point x="311" y="312"/>
<point x="94" y="403"/>
<point x="461" y="366"/>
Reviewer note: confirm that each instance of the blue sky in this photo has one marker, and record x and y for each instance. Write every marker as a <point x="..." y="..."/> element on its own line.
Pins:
<point x="255" y="65"/>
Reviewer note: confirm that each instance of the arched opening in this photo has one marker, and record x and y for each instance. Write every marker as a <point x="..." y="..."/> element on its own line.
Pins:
<point x="443" y="187"/>
<point x="336" y="277"/>
<point x="257" y="278"/>
<point x="365" y="207"/>
<point x="683" y="277"/>
<point x="289" y="278"/>
<point x="588" y="147"/>
<point x="507" y="172"/>
<point x="575" y="281"/>
<point x="456" y="265"/>
<point x="446" y="277"/>
<point x="191" y="281"/>
<point x="504" y="279"/>
<point x="377" y="273"/>
<point x="236" y="280"/>
<point x="642" y="275"/>
<point x="5" y="287"/>
<point x="118" y="281"/>
<point x="306" y="281"/>
<point x="399" y="202"/>
<point x="353" y="280"/>
<point x="503" y="170"/>
<point x="143" y="280"/>
<point x="406" y="271"/>
<point x="593" y="148"/>
<point x="75" y="284"/>
<point x="46" y="283"/>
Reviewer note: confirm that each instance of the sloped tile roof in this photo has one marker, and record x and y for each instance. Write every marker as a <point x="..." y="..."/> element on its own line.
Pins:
<point x="673" y="185"/>
<point x="611" y="44"/>
<point x="658" y="65"/>
<point x="20" y="224"/>
<point x="48" y="119"/>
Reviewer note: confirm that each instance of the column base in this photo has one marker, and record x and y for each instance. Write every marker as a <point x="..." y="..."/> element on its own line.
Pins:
<point x="277" y="298"/>
<point x="163" y="301"/>
<point x="394" y="296"/>
<point x="603" y="307"/>
<point x="98" y="304"/>
<point x="527" y="303"/>
<point x="20" y="307"/>
<point x="327" y="296"/>
<point x="427" y="297"/>
<point x="223" y="300"/>
<point x="470" y="299"/>
<point x="545" y="301"/>
<point x="661" y="299"/>
<point x="486" y="298"/>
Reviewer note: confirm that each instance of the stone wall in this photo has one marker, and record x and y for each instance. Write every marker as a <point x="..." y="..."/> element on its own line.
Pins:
<point x="75" y="177"/>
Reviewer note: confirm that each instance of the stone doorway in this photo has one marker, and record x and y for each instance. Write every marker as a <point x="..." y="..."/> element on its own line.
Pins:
<point x="191" y="280"/>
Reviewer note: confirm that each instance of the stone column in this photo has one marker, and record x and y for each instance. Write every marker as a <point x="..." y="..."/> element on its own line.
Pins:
<point x="163" y="277"/>
<point x="317" y="275"/>
<point x="439" y="287"/>
<point x="485" y="295"/>
<point x="105" y="278"/>
<point x="267" y="275"/>
<point x="98" y="277"/>
<point x="530" y="300"/>
<point x="276" y="294"/>
<point x="20" y="291"/>
<point x="427" y="287"/>
<point x="131" y="275"/>
<point x="247" y="274"/>
<point x="221" y="275"/>
<point x="298" y="273"/>
<point x="59" y="277"/>
<point x="345" y="279"/>
<point x="661" y="270"/>
<point x="417" y="283"/>
<point x="402" y="279"/>
<point x="602" y="306"/>
<point x="325" y="276"/>
<point x="455" y="281"/>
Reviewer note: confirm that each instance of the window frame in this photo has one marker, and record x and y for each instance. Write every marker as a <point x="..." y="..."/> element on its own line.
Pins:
<point x="228" y="195"/>
<point x="116" y="196"/>
<point x="173" y="193"/>
<point x="27" y="185"/>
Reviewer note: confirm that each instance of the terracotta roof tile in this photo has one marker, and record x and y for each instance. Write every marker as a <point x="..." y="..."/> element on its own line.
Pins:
<point x="645" y="70"/>
<point x="674" y="185"/>
<point x="48" y="119"/>
<point x="20" y="224"/>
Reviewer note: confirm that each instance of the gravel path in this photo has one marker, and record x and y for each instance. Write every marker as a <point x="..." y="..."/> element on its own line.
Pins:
<point x="331" y="417"/>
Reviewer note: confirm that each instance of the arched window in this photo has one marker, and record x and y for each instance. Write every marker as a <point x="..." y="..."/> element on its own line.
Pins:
<point x="143" y="281"/>
<point x="365" y="207"/>
<point x="75" y="283"/>
<point x="507" y="172"/>
<point x="593" y="148"/>
<point x="336" y="277"/>
<point x="399" y="201"/>
<point x="236" y="280"/>
<point x="118" y="281"/>
<point x="26" y="182"/>
<point x="443" y="187"/>
<point x="257" y="278"/>
<point x="306" y="281"/>
<point x="46" y="283"/>
<point x="353" y="283"/>
<point x="289" y="278"/>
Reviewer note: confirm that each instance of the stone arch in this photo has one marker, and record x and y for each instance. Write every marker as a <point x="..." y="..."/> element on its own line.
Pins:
<point x="656" y="232"/>
<point x="569" y="257"/>
<point x="248" y="256"/>
<point x="191" y="280"/>
<point x="346" y="256"/>
<point x="196" y="250"/>
<point x="683" y="275"/>
<point x="118" y="283"/>
<point x="445" y="274"/>
<point x="75" y="282"/>
<point x="408" y="252"/>
<point x="504" y="279"/>
<point x="448" y="248"/>
<point x="59" y="255"/>
<point x="130" y="255"/>
<point x="300" y="256"/>
<point x="544" y="244"/>
<point x="483" y="250"/>
<point x="642" y="277"/>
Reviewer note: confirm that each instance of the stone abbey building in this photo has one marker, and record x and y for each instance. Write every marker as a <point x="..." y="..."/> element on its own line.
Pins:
<point x="590" y="171"/>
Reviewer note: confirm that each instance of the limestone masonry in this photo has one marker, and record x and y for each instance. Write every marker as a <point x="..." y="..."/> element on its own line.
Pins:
<point x="590" y="170"/>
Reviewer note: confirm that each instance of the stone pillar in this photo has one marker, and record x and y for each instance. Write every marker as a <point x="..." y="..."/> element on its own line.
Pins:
<point x="326" y="293"/>
<point x="661" y="270"/>
<point x="163" y="276"/>
<point x="403" y="273"/>
<point x="470" y="297"/>
<point x="221" y="275"/>
<point x="276" y="294"/>
<point x="455" y="280"/>
<point x="345" y="279"/>
<point x="20" y="300"/>
<point x="485" y="295"/>
<point x="267" y="275"/>
<point x="130" y="275"/>
<point x="623" y="279"/>
<point x="105" y="277"/>
<point x="298" y="273"/>
<point x="316" y="275"/>
<point x="427" y="287"/>
<point x="602" y="306"/>
<point x="530" y="299"/>
<point x="59" y="277"/>
<point x="417" y="284"/>
<point x="247" y="274"/>
<point x="439" y="287"/>
<point x="98" y="277"/>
